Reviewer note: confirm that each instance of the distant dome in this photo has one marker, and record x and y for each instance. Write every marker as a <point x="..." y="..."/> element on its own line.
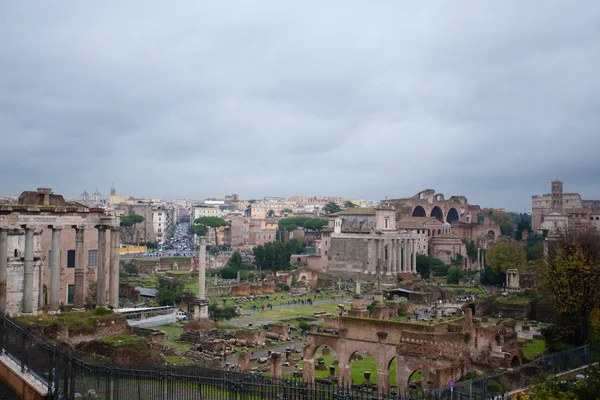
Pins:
<point x="446" y="225"/>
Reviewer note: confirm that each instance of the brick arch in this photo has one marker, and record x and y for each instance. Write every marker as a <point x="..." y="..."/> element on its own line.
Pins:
<point x="419" y="211"/>
<point x="314" y="342"/>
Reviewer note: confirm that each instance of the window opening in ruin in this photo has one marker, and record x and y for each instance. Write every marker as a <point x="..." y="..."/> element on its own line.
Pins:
<point x="437" y="213"/>
<point x="70" y="258"/>
<point x="419" y="212"/>
<point x="92" y="258"/>
<point x="70" y="294"/>
<point x="363" y="368"/>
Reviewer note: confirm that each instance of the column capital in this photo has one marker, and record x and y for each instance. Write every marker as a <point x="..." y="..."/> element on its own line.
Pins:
<point x="55" y="227"/>
<point x="79" y="227"/>
<point x="101" y="227"/>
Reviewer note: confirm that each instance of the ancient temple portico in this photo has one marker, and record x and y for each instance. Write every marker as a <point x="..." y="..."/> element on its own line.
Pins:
<point x="27" y="265"/>
<point x="366" y="240"/>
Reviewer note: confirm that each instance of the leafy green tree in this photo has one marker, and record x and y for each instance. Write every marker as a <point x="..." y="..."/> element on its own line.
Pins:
<point x="570" y="278"/>
<point x="235" y="261"/>
<point x="438" y="267"/>
<point x="506" y="255"/>
<point x="199" y="230"/>
<point x="331" y="208"/>
<point x="523" y="223"/>
<point x="454" y="276"/>
<point x="131" y="268"/>
<point x="129" y="222"/>
<point x="270" y="213"/>
<point x="505" y="221"/>
<point x="426" y="265"/>
<point x="169" y="291"/>
<point x="228" y="272"/>
<point x="276" y="255"/>
<point x="211" y="222"/>
<point x="492" y="276"/>
<point x="423" y="266"/>
<point x="217" y="313"/>
<point x="349" y="204"/>
<point x="471" y="250"/>
<point x="458" y="261"/>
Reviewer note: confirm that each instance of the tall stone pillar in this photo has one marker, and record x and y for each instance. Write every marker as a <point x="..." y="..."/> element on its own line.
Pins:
<point x="478" y="258"/>
<point x="275" y="365"/>
<point x="113" y="287"/>
<point x="414" y="255"/>
<point x="202" y="269"/>
<point x="28" y="271"/>
<point x="398" y="255"/>
<point x="405" y="258"/>
<point x="55" y="269"/>
<point x="3" y="267"/>
<point x="392" y="256"/>
<point x="79" y="266"/>
<point x="101" y="279"/>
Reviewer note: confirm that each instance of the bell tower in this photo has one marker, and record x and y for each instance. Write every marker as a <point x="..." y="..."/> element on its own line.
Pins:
<point x="557" y="195"/>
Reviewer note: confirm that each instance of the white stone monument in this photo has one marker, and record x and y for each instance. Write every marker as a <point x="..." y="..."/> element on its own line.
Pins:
<point x="201" y="303"/>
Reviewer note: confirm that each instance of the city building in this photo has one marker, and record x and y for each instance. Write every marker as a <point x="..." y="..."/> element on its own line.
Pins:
<point x="558" y="211"/>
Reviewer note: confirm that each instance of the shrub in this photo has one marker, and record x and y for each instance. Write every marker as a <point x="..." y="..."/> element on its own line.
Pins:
<point x="101" y="311"/>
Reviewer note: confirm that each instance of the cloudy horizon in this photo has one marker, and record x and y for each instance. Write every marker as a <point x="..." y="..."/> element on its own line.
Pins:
<point x="199" y="99"/>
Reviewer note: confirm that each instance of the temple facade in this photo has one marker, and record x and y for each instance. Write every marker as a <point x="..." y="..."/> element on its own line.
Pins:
<point x="52" y="251"/>
<point x="366" y="242"/>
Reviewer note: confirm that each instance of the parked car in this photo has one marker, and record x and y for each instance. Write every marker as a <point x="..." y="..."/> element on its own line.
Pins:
<point x="181" y="316"/>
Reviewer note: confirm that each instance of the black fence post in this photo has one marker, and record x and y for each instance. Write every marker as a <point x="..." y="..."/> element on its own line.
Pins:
<point x="2" y="333"/>
<point x="23" y="351"/>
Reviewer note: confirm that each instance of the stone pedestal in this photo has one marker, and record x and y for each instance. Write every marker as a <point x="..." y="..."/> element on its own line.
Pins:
<point x="275" y="367"/>
<point x="200" y="309"/>
<point x="243" y="361"/>
<point x="358" y="308"/>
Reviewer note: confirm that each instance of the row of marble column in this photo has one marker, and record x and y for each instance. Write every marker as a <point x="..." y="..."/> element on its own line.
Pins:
<point x="401" y="255"/>
<point x="55" y="271"/>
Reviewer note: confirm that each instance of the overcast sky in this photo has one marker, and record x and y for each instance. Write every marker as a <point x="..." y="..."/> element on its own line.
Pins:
<point x="490" y="100"/>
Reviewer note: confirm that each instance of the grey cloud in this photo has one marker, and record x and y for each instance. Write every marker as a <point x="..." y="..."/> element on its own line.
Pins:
<point x="362" y="100"/>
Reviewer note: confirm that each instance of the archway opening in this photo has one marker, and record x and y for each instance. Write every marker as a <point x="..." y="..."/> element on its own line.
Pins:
<point x="327" y="367"/>
<point x="452" y="215"/>
<point x="363" y="369"/>
<point x="515" y="362"/>
<point x="415" y="383"/>
<point x="419" y="212"/>
<point x="492" y="233"/>
<point x="392" y="373"/>
<point x="438" y="213"/>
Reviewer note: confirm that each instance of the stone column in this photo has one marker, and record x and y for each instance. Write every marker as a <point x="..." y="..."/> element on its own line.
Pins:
<point x="101" y="279"/>
<point x="79" y="266"/>
<point x="414" y="255"/>
<point x="243" y="361"/>
<point x="3" y="267"/>
<point x="202" y="268"/>
<point x="405" y="259"/>
<point x="478" y="259"/>
<point x="275" y="367"/>
<point x="308" y="370"/>
<point x="55" y="270"/>
<point x="113" y="290"/>
<point x="372" y="245"/>
<point x="392" y="250"/>
<point x="28" y="271"/>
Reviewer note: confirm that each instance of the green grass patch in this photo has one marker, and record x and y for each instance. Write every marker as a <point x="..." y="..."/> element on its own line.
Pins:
<point x="77" y="322"/>
<point x="532" y="348"/>
<point x="122" y="339"/>
<point x="516" y="299"/>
